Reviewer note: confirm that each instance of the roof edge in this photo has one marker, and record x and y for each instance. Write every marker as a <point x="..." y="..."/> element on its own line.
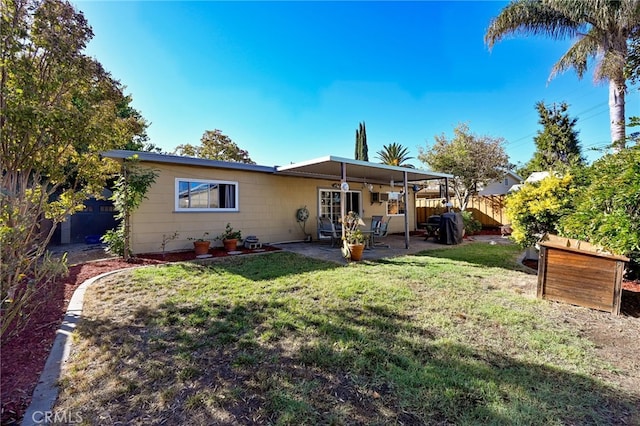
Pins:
<point x="186" y="161"/>
<point x="351" y="161"/>
<point x="287" y="169"/>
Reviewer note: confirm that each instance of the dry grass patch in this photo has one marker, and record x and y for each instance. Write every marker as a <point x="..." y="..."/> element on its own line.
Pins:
<point x="445" y="337"/>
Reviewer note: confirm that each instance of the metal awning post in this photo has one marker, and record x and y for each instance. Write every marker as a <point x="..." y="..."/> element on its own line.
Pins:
<point x="406" y="210"/>
<point x="446" y="191"/>
<point x="343" y="171"/>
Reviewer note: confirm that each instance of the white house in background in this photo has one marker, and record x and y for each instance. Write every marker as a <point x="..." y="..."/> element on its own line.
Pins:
<point x="502" y="186"/>
<point x="537" y="176"/>
<point x="434" y="189"/>
<point x="533" y="177"/>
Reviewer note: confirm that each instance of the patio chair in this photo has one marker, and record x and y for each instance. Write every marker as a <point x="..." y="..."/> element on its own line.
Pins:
<point x="376" y="221"/>
<point x="327" y="230"/>
<point x="380" y="232"/>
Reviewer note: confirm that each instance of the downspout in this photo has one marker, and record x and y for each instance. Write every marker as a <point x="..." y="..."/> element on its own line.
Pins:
<point x="406" y="210"/>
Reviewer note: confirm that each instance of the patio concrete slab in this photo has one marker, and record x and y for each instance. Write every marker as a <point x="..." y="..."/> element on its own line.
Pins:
<point x="417" y="243"/>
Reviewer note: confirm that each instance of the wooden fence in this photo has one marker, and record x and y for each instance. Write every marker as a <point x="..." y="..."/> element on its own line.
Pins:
<point x="488" y="209"/>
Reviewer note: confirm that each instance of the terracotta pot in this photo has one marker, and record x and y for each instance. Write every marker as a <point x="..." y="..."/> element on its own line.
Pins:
<point x="356" y="251"/>
<point x="201" y="247"/>
<point x="230" y="245"/>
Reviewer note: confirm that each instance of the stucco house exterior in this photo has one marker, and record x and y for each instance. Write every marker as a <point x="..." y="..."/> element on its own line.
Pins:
<point x="191" y="196"/>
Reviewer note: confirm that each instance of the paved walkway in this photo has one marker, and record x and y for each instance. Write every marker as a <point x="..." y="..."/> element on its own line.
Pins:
<point x="80" y="252"/>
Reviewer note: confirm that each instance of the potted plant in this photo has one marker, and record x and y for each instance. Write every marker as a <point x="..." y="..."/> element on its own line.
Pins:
<point x="353" y="237"/>
<point x="230" y="238"/>
<point x="201" y="245"/>
<point x="472" y="225"/>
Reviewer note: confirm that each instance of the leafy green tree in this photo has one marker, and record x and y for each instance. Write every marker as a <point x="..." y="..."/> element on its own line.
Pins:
<point x="394" y="154"/>
<point x="634" y="136"/>
<point x="130" y="190"/>
<point x="537" y="207"/>
<point x="601" y="30"/>
<point x="557" y="145"/>
<point x="362" y="150"/>
<point x="607" y="210"/>
<point x="473" y="160"/>
<point x="59" y="109"/>
<point x="214" y="145"/>
<point x="140" y="139"/>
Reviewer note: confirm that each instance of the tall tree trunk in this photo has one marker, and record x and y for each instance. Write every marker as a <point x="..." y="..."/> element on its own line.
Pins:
<point x="617" y="89"/>
<point x="462" y="195"/>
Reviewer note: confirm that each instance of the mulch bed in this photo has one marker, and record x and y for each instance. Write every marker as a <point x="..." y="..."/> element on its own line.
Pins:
<point x="24" y="354"/>
<point x="179" y="256"/>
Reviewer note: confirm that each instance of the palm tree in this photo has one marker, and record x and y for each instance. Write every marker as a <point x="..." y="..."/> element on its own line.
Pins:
<point x="601" y="28"/>
<point x="394" y="155"/>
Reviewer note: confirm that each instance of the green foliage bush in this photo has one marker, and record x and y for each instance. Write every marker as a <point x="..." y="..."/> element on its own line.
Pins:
<point x="599" y="204"/>
<point x="129" y="191"/>
<point x="537" y="207"/>
<point x="114" y="239"/>
<point x="471" y="224"/>
<point x="607" y="208"/>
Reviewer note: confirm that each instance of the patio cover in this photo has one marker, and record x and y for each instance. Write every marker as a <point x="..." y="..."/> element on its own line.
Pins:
<point x="331" y="167"/>
<point x="348" y="170"/>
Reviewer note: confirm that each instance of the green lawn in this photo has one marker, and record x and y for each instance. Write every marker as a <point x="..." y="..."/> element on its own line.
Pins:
<point x="450" y="336"/>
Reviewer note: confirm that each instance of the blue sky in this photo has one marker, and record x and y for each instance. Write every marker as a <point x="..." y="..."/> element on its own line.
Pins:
<point x="291" y="81"/>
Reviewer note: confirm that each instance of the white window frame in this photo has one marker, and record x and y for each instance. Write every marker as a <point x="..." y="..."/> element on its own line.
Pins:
<point x="205" y="209"/>
<point x="396" y="196"/>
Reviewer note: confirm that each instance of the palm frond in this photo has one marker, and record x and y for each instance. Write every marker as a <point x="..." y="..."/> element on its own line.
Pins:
<point x="602" y="29"/>
<point x="530" y="17"/>
<point x="393" y="154"/>
<point x="577" y="56"/>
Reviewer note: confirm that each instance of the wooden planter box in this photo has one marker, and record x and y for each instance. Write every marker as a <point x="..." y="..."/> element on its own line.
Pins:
<point x="577" y="272"/>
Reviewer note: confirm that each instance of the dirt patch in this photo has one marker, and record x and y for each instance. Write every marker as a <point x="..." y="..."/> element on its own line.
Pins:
<point x="616" y="338"/>
<point x="23" y="356"/>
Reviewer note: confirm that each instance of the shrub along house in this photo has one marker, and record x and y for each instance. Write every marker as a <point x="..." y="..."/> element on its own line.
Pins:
<point x="192" y="196"/>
